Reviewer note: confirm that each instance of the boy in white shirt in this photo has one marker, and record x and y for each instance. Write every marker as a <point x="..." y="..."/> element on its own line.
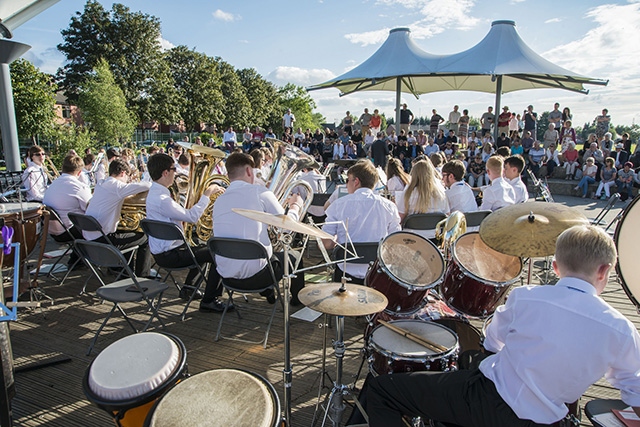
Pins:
<point x="500" y="193"/>
<point x="513" y="167"/>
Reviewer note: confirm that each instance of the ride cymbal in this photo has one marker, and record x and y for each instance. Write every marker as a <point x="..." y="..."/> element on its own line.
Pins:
<point x="283" y="221"/>
<point x="354" y="300"/>
<point x="528" y="229"/>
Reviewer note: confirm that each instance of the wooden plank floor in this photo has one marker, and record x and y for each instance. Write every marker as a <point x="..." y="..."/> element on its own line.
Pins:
<point x="53" y="395"/>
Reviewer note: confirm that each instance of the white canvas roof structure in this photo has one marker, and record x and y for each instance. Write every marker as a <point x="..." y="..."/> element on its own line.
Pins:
<point x="501" y="62"/>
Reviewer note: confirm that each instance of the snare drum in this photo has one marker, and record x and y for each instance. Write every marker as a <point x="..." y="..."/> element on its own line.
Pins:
<point x="127" y="377"/>
<point x="626" y="238"/>
<point x="222" y="397"/>
<point x="26" y="233"/>
<point x="392" y="353"/>
<point x="478" y="277"/>
<point x="408" y="265"/>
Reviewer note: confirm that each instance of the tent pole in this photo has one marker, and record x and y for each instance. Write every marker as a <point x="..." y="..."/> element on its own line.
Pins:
<point x="496" y="110"/>
<point x="398" y="95"/>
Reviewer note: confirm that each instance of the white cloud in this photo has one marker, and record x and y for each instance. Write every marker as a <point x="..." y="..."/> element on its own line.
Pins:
<point x="165" y="44"/>
<point x="225" y="16"/>
<point x="436" y="16"/>
<point x="299" y="76"/>
<point x="552" y="20"/>
<point x="516" y="1"/>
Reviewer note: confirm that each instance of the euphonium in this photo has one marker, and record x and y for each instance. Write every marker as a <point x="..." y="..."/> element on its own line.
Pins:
<point x="50" y="169"/>
<point x="203" y="162"/>
<point x="449" y="229"/>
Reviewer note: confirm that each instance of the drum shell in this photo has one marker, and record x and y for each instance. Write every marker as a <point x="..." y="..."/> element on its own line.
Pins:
<point x="404" y="296"/>
<point x="626" y="237"/>
<point x="26" y="233"/>
<point x="383" y="360"/>
<point x="132" y="412"/>
<point x="471" y="294"/>
<point x="156" y="418"/>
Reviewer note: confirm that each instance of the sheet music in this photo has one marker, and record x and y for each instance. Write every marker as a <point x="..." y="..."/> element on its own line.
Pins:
<point x="608" y="419"/>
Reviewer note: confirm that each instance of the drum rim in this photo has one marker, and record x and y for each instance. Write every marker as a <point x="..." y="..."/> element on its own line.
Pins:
<point x="272" y="390"/>
<point x="126" y="404"/>
<point x="401" y="282"/>
<point x="404" y="355"/>
<point x="616" y="236"/>
<point x="483" y="280"/>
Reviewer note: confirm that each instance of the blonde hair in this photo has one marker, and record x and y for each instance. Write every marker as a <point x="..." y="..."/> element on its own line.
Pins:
<point x="495" y="164"/>
<point x="584" y="248"/>
<point x="425" y="181"/>
<point x="394" y="168"/>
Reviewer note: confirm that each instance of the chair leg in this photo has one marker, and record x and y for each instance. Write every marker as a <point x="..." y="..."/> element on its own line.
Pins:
<point x="273" y="313"/>
<point x="154" y="313"/>
<point x="224" y="312"/>
<point x="196" y="288"/>
<point x="55" y="264"/>
<point x="104" y="322"/>
<point x="126" y="317"/>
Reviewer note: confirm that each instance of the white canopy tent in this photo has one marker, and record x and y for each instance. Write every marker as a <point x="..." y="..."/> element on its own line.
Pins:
<point x="501" y="62"/>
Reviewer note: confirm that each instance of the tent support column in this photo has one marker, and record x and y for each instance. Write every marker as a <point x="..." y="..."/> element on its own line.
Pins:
<point x="496" y="110"/>
<point x="398" y="96"/>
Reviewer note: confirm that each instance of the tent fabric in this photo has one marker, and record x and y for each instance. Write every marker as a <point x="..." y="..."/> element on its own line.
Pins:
<point x="500" y="53"/>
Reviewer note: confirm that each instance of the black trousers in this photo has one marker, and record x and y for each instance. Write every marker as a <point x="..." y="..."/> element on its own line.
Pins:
<point x="180" y="257"/>
<point x="263" y="279"/>
<point x="463" y="398"/>
<point x="126" y="240"/>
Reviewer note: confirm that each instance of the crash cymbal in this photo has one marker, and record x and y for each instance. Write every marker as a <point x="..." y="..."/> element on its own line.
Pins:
<point x="283" y="221"/>
<point x="355" y="300"/>
<point x="202" y="149"/>
<point x="528" y="229"/>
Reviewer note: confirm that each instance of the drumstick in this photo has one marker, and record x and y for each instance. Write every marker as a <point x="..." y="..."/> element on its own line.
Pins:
<point x="415" y="338"/>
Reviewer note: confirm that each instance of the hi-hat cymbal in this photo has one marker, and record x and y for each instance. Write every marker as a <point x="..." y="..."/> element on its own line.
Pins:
<point x="202" y="149"/>
<point x="283" y="221"/>
<point x="528" y="229"/>
<point x="355" y="300"/>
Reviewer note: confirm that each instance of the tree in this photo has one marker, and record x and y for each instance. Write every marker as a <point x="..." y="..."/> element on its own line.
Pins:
<point x="66" y="137"/>
<point x="301" y="104"/>
<point x="104" y="106"/>
<point x="262" y="96"/>
<point x="34" y="98"/>
<point x="236" y="105"/>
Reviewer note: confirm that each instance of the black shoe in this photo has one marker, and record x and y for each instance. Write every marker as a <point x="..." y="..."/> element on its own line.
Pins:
<point x="187" y="290"/>
<point x="270" y="295"/>
<point x="215" y="306"/>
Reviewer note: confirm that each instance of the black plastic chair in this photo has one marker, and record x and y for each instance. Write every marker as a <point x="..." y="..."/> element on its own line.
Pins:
<point x="423" y="221"/>
<point x="169" y="231"/>
<point x="475" y="218"/>
<point x="242" y="249"/>
<point x="367" y="252"/>
<point x="55" y="216"/>
<point x="131" y="289"/>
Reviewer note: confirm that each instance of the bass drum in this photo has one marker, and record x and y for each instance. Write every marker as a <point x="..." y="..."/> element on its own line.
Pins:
<point x="626" y="239"/>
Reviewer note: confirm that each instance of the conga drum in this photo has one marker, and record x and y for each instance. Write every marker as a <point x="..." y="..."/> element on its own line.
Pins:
<point x="218" y="398"/>
<point x="128" y="376"/>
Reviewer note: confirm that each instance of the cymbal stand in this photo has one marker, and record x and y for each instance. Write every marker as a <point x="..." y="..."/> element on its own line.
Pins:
<point x="287" y="371"/>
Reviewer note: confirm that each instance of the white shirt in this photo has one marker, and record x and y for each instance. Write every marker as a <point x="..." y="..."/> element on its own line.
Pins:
<point x="105" y="206"/>
<point x="161" y="207"/>
<point x="288" y="118"/>
<point x="461" y="197"/>
<point x="553" y="342"/>
<point x="520" y="190"/>
<point x="317" y="181"/>
<point x="226" y="223"/>
<point x="497" y="195"/>
<point x="34" y="179"/>
<point x="101" y="172"/>
<point x="395" y="184"/>
<point x="370" y="219"/>
<point x="85" y="177"/>
<point x="454" y="117"/>
<point x="338" y="150"/>
<point x="229" y="136"/>
<point x="66" y="194"/>
<point x="430" y="149"/>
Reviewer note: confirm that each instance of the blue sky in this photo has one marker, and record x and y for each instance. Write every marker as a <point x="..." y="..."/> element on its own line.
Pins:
<point x="310" y="41"/>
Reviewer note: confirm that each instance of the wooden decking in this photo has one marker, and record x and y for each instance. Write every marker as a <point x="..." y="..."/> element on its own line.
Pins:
<point x="52" y="395"/>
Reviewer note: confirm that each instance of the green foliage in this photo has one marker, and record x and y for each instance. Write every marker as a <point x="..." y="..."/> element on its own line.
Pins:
<point x="64" y="138"/>
<point x="301" y="104"/>
<point x="543" y="125"/>
<point x="104" y="106"/>
<point x="237" y="107"/>
<point x="262" y="96"/>
<point x="34" y="99"/>
<point x="633" y="131"/>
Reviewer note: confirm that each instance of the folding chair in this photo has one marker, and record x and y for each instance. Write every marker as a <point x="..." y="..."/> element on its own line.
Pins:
<point x="169" y="231"/>
<point x="242" y="249"/>
<point x="89" y="223"/>
<point x="367" y="251"/>
<point x="131" y="289"/>
<point x="55" y="216"/>
<point x="475" y="218"/>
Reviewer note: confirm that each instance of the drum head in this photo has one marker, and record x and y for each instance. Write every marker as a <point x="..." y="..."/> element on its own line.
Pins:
<point x="626" y="238"/>
<point x="222" y="397"/>
<point x="485" y="263"/>
<point x="411" y="260"/>
<point x="386" y="339"/>
<point x="133" y="366"/>
<point x="9" y="208"/>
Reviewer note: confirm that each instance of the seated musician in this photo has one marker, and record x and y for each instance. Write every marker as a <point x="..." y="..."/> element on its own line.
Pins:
<point x="550" y="343"/>
<point x="513" y="167"/>
<point x="369" y="217"/>
<point x="34" y="177"/>
<point x="174" y="254"/>
<point x="500" y="193"/>
<point x="106" y="204"/>
<point x="459" y="193"/>
<point x="242" y="193"/>
<point x="67" y="194"/>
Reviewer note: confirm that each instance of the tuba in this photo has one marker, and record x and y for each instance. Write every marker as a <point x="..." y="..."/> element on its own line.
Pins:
<point x="201" y="175"/>
<point x="449" y="229"/>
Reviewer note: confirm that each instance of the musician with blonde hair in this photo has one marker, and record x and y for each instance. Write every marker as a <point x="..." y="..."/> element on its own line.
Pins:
<point x="425" y="193"/>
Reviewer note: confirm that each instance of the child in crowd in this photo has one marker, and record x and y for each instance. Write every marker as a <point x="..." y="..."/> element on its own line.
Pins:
<point x="476" y="171"/>
<point x="513" y="167"/>
<point x="500" y="193"/>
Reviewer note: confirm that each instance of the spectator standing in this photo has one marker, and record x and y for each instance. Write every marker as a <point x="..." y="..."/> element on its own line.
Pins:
<point x="503" y="121"/>
<point x="603" y="122"/>
<point x="487" y="120"/>
<point x="463" y="129"/>
<point x="406" y="118"/>
<point x="435" y="121"/>
<point x="555" y="116"/>
<point x="567" y="135"/>
<point x="288" y="120"/>
<point x="365" y="121"/>
<point x="347" y="123"/>
<point x="454" y="119"/>
<point x="376" y="122"/>
<point x="530" y="120"/>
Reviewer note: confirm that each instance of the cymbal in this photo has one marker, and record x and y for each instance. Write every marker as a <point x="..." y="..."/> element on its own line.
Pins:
<point x="283" y="221"/>
<point x="203" y="149"/>
<point x="528" y="229"/>
<point x="356" y="300"/>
